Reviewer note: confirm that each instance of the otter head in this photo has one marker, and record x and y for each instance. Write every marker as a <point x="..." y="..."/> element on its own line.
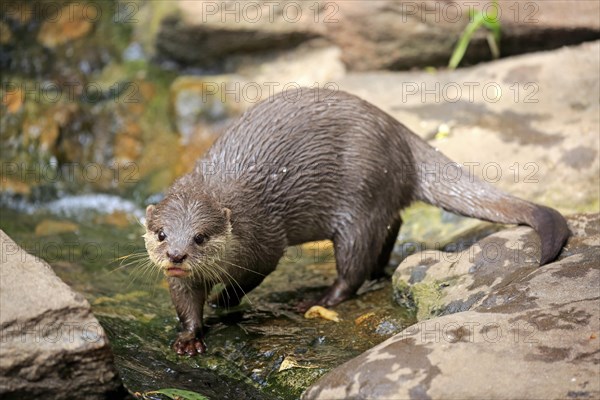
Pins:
<point x="186" y="234"/>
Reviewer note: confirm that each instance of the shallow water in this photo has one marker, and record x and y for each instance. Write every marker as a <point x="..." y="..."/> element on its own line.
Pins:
<point x="261" y="349"/>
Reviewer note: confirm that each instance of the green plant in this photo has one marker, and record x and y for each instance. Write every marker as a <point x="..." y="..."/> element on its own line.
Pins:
<point x="478" y="19"/>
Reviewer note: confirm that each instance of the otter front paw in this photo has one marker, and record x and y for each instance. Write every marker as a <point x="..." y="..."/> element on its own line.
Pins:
<point x="189" y="343"/>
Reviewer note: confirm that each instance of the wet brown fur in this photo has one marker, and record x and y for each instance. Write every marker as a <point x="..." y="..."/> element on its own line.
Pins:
<point x="311" y="165"/>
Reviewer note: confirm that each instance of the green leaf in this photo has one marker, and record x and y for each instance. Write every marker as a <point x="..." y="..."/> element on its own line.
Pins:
<point x="494" y="47"/>
<point x="179" y="394"/>
<point x="465" y="38"/>
<point x="477" y="20"/>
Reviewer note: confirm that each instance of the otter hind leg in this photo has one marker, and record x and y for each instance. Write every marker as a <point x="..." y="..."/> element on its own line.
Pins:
<point x="388" y="246"/>
<point x="356" y="253"/>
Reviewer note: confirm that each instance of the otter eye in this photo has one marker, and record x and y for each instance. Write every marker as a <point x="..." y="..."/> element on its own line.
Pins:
<point x="199" y="239"/>
<point x="161" y="236"/>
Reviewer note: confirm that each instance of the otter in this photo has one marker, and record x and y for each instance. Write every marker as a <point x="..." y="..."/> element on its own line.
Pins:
<point x="306" y="165"/>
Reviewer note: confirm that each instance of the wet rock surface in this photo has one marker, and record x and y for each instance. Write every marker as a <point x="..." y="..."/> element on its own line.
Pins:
<point x="52" y="345"/>
<point x="438" y="283"/>
<point x="529" y="332"/>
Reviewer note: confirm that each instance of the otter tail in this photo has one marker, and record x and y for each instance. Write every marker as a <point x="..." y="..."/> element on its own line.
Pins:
<point x="443" y="183"/>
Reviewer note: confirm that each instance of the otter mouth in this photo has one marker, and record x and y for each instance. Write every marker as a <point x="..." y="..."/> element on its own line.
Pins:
<point x="177" y="272"/>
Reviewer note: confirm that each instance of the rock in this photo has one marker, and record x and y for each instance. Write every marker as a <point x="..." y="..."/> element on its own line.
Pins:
<point x="52" y="345"/>
<point x="71" y="22"/>
<point x="437" y="283"/>
<point x="41" y="133"/>
<point x="119" y="219"/>
<point x="400" y="35"/>
<point x="13" y="100"/>
<point x="205" y="27"/>
<point x="313" y="64"/>
<point x="5" y="33"/>
<point x="372" y="35"/>
<point x="532" y="333"/>
<point x="519" y="123"/>
<point x="144" y="35"/>
<point x="11" y="185"/>
<point x="434" y="283"/>
<point x="50" y="227"/>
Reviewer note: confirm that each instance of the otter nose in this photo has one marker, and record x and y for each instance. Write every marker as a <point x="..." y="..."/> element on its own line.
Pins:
<point x="176" y="257"/>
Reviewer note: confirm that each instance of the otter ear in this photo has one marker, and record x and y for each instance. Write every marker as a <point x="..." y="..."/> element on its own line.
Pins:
<point x="149" y="212"/>
<point x="227" y="214"/>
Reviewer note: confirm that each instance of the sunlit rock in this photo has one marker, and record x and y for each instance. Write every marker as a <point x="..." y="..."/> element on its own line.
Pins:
<point x="52" y="345"/>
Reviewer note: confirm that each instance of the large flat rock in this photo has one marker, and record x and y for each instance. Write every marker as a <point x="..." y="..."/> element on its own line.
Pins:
<point x="533" y="334"/>
<point x="52" y="345"/>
